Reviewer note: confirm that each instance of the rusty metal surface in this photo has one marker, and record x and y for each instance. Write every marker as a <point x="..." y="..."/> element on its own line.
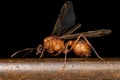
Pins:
<point x="51" y="69"/>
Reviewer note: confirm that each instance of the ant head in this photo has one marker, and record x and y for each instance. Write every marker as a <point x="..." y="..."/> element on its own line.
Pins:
<point x="39" y="49"/>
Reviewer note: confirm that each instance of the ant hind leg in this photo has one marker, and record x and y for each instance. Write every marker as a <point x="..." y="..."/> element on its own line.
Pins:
<point x="92" y="47"/>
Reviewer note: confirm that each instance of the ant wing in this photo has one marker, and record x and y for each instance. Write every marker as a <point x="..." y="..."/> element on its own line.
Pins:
<point x="66" y="19"/>
<point x="72" y="29"/>
<point x="89" y="34"/>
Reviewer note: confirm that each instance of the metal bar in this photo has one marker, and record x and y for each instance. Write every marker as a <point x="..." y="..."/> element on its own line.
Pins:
<point x="52" y="69"/>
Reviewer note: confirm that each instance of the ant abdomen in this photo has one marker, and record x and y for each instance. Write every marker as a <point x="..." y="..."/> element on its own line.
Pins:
<point x="81" y="48"/>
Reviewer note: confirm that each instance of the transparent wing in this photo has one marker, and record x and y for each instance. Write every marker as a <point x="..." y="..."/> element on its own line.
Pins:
<point x="89" y="34"/>
<point x="72" y="29"/>
<point x="66" y="19"/>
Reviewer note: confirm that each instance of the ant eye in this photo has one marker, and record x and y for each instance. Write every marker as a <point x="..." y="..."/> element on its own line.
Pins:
<point x="40" y="49"/>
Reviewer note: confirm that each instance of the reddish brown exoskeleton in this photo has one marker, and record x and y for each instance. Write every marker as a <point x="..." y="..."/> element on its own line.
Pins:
<point x="56" y="43"/>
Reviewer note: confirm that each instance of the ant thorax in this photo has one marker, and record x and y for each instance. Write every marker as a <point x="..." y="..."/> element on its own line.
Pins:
<point x="53" y="44"/>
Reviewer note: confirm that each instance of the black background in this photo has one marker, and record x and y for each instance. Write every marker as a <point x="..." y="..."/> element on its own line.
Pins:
<point x="25" y="24"/>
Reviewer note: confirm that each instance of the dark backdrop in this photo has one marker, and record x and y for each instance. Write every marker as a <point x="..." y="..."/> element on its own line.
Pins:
<point x="25" y="24"/>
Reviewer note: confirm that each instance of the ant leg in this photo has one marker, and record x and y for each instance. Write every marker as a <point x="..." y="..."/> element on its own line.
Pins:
<point x="81" y="35"/>
<point x="59" y="52"/>
<point x="75" y="42"/>
<point x="21" y="51"/>
<point x="91" y="47"/>
<point x="42" y="53"/>
<point x="64" y="64"/>
<point x="65" y="59"/>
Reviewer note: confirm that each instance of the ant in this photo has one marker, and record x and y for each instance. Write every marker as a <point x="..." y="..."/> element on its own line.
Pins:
<point x="56" y="44"/>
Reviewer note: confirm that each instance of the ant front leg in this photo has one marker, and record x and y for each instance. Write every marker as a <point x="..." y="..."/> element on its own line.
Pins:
<point x="41" y="55"/>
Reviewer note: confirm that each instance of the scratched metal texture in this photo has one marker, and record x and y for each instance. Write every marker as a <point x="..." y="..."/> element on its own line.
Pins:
<point x="52" y="69"/>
